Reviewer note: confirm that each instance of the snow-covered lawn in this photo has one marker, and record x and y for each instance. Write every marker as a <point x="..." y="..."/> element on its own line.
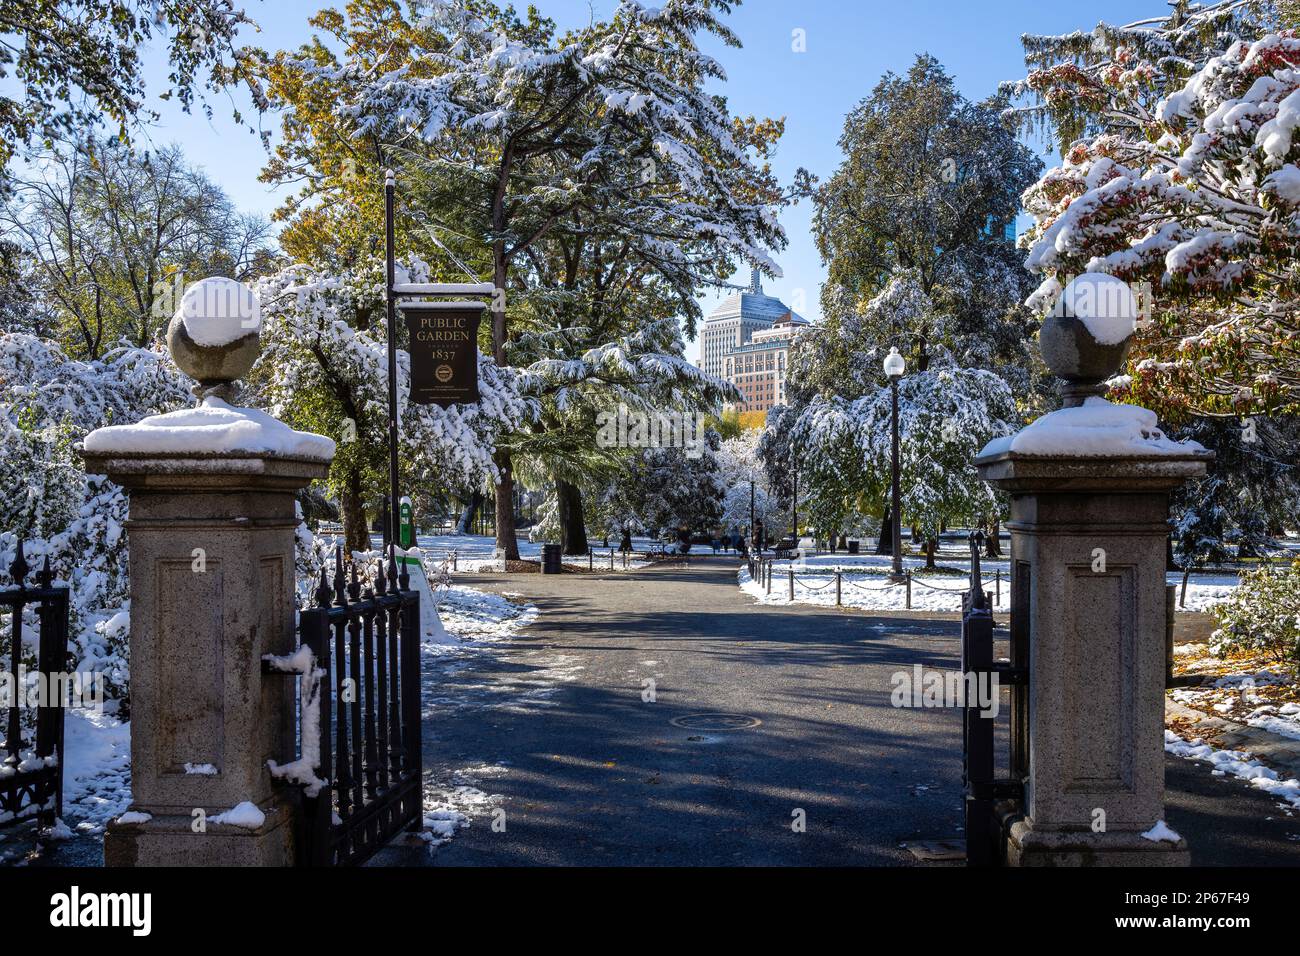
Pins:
<point x="865" y="585"/>
<point x="474" y="552"/>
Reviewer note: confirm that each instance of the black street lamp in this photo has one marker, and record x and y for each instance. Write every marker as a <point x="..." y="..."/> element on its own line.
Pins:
<point x="752" y="542"/>
<point x="894" y="368"/>
<point x="794" y="509"/>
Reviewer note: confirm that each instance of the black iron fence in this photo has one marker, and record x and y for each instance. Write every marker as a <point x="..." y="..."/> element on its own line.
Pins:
<point x="31" y="772"/>
<point x="364" y="637"/>
<point x="991" y="801"/>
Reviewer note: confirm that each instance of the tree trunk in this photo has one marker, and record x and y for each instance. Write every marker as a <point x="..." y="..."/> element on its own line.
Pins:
<point x="466" y="523"/>
<point x="992" y="541"/>
<point x="885" y="543"/>
<point x="356" y="536"/>
<point x="505" y="510"/>
<point x="931" y="545"/>
<point x="573" y="523"/>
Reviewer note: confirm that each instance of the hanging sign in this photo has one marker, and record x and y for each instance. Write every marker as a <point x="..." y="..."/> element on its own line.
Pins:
<point x="443" y="344"/>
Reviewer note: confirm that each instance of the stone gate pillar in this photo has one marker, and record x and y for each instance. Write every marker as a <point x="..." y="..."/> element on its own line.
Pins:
<point x="211" y="544"/>
<point x="1089" y="488"/>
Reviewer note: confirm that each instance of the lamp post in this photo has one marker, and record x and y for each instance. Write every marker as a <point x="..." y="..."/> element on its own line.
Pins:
<point x="752" y="526"/>
<point x="392" y="517"/>
<point x="794" y="508"/>
<point x="894" y="368"/>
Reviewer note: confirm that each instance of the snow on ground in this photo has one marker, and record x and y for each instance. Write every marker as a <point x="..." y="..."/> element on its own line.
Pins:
<point x="474" y="552"/>
<point x="96" y="769"/>
<point x="452" y="807"/>
<point x="1238" y="764"/>
<point x="867" y="591"/>
<point x="864" y="583"/>
<point x="1235" y="697"/>
<point x="451" y="681"/>
<point x="478" y="617"/>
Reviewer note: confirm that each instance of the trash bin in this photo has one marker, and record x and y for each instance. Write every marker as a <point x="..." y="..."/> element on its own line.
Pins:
<point x="551" y="559"/>
<point x="853" y="546"/>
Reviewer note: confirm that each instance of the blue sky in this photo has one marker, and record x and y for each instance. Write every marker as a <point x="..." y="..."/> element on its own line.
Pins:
<point x="849" y="45"/>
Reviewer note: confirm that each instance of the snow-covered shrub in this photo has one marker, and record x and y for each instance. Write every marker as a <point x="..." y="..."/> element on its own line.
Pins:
<point x="48" y="402"/>
<point x="1263" y="614"/>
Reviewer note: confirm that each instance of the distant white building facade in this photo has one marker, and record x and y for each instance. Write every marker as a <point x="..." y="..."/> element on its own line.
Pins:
<point x="746" y="340"/>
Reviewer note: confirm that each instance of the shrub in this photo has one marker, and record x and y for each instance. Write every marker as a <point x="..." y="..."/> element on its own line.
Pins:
<point x="1263" y="614"/>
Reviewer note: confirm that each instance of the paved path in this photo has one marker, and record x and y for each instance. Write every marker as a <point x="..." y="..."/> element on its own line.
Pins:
<point x="589" y="773"/>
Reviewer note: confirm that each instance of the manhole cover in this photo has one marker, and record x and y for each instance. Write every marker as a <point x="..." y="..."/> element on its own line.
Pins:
<point x="716" y="721"/>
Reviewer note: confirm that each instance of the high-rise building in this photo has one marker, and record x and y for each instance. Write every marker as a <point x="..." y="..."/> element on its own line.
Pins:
<point x="734" y="322"/>
<point x="746" y="341"/>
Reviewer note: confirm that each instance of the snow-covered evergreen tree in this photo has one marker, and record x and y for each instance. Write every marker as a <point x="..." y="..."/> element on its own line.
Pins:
<point x="667" y="492"/>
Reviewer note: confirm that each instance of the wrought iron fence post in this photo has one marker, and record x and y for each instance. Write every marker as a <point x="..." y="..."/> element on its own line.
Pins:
<point x="792" y="584"/>
<point x="837" y="587"/>
<point x="907" y="576"/>
<point x="411" y="693"/>
<point x="977" y="725"/>
<point x="318" y="811"/>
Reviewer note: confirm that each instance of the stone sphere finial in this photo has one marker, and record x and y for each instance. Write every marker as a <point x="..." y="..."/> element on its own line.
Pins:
<point x="1086" y="337"/>
<point x="215" y="335"/>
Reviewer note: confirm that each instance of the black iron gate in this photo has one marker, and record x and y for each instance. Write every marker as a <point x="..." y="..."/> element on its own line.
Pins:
<point x="992" y="801"/>
<point x="31" y="773"/>
<point x="365" y="641"/>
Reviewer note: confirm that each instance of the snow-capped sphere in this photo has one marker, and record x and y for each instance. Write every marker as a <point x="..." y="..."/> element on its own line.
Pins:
<point x="1104" y="304"/>
<point x="1087" y="335"/>
<point x="214" y="334"/>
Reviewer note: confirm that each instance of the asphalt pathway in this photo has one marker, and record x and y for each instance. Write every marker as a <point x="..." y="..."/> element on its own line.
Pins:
<point x="569" y="729"/>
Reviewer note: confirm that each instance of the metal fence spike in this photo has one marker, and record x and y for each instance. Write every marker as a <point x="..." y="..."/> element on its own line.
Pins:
<point x="18" y="570"/>
<point x="323" y="592"/>
<point x="340" y="582"/>
<point x="354" y="585"/>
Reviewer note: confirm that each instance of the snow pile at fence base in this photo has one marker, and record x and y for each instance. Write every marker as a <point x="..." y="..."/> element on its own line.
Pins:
<point x="1097" y="428"/>
<point x="213" y="428"/>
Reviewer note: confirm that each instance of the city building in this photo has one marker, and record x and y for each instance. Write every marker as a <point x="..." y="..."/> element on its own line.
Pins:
<point x="746" y="341"/>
